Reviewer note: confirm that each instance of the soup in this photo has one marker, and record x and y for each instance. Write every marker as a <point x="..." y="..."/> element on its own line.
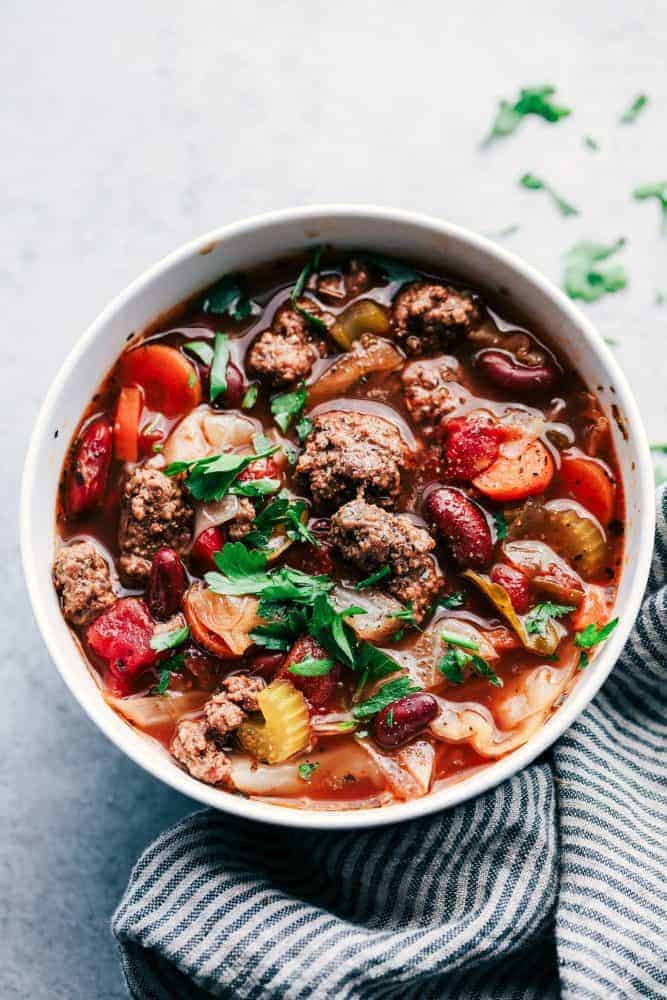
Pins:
<point x="338" y="531"/>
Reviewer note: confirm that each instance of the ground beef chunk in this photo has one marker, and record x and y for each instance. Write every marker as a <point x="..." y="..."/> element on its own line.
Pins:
<point x="82" y="580"/>
<point x="154" y="514"/>
<point x="372" y="538"/>
<point x="351" y="455"/>
<point x="197" y="748"/>
<point x="430" y="390"/>
<point x="243" y="690"/>
<point x="222" y="714"/>
<point x="427" y="317"/>
<point x="287" y="351"/>
<point x="339" y="288"/>
<point x="240" y="526"/>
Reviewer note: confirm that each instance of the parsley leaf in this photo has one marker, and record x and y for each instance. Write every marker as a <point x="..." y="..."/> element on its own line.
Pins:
<point x="288" y="406"/>
<point x="534" y="183"/>
<point x="387" y="694"/>
<point x="226" y="296"/>
<point x="201" y="349"/>
<point x="374" y="662"/>
<point x="500" y="525"/>
<point x="210" y="478"/>
<point x="255" y="488"/>
<point x="282" y="624"/>
<point x="537" y="619"/>
<point x="593" y="634"/>
<point x="328" y="626"/>
<point x="585" y="279"/>
<point x="658" y="191"/>
<point x="311" y="668"/>
<point x="464" y="652"/>
<point x="531" y="101"/>
<point x="455" y="639"/>
<point x="250" y="397"/>
<point x="455" y="600"/>
<point x="241" y="571"/>
<point x="219" y="366"/>
<point x="393" y="270"/>
<point x="163" y="682"/>
<point x="583" y="660"/>
<point x="303" y="428"/>
<point x="174" y="665"/>
<point x="632" y="113"/>
<point x="452" y="663"/>
<point x="307" y="770"/>
<point x="406" y="615"/>
<point x="168" y="640"/>
<point x="282" y="510"/>
<point x="591" y="143"/>
<point x="374" y="578"/>
<point x="310" y="268"/>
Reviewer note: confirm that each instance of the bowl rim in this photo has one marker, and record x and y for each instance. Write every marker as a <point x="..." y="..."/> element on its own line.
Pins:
<point x="494" y="773"/>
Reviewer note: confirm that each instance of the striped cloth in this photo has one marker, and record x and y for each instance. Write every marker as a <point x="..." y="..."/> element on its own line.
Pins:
<point x="551" y="885"/>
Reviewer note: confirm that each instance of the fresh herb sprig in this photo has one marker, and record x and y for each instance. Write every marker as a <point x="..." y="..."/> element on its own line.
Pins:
<point x="388" y="693"/>
<point x="311" y="668"/>
<point x="169" y="640"/>
<point x="174" y="665"/>
<point x="310" y="268"/>
<point x="374" y="578"/>
<point x="288" y="406"/>
<point x="393" y="270"/>
<point x="219" y="364"/>
<point x="209" y="479"/>
<point x="307" y="770"/>
<point x="462" y="653"/>
<point x="534" y="183"/>
<point x="227" y="296"/>
<point x="591" y="636"/>
<point x="281" y="511"/>
<point x="538" y="618"/>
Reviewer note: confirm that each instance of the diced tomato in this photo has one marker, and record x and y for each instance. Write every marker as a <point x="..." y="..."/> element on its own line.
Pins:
<point x="515" y="583"/>
<point x="151" y="436"/>
<point x="266" y="468"/>
<point x="170" y="381"/>
<point x="471" y="446"/>
<point x="591" y="484"/>
<point x="594" y="609"/>
<point x="206" y="544"/>
<point x="89" y="470"/>
<point x="518" y="477"/>
<point x="122" y="637"/>
<point x="126" y="424"/>
<point x="316" y="690"/>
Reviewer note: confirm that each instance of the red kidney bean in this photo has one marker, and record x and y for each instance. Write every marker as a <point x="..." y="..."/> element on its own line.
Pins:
<point x="462" y="524"/>
<point x="515" y="583"/>
<point x="403" y="719"/>
<point x="89" y="469"/>
<point x="266" y="665"/>
<point x="206" y="544"/>
<point x="166" y="585"/>
<point x="505" y="371"/>
<point x="316" y="690"/>
<point x="235" y="390"/>
<point x="321" y="528"/>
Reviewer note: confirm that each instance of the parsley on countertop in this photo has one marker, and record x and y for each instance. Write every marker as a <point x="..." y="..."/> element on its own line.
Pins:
<point x="585" y="278"/>
<point x="534" y="183"/>
<point x="531" y="101"/>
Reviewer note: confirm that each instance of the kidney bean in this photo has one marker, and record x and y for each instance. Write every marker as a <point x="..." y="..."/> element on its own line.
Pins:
<point x="462" y="524"/>
<point x="206" y="544"/>
<point x="505" y="371"/>
<point x="235" y="390"/>
<point x="403" y="719"/>
<point x="316" y="690"/>
<point x="166" y="585"/>
<point x="515" y="583"/>
<point x="266" y="664"/>
<point x="89" y="469"/>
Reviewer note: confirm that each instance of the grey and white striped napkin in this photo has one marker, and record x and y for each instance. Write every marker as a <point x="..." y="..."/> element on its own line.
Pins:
<point x="552" y="885"/>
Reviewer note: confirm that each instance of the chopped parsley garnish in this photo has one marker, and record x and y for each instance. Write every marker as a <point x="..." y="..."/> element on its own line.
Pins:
<point x="452" y="664"/>
<point x="243" y="571"/>
<point x="201" y="349"/>
<point x="255" y="488"/>
<point x="288" y="407"/>
<point x="250" y="397"/>
<point x="531" y="101"/>
<point x="534" y="183"/>
<point x="454" y="639"/>
<point x="219" y="366"/>
<point x="311" y="668"/>
<point x="328" y="626"/>
<point x="465" y="652"/>
<point x="657" y="191"/>
<point x="591" y="143"/>
<point x="168" y="640"/>
<point x="660" y="298"/>
<point x="282" y="510"/>
<point x="310" y="268"/>
<point x="390" y="718"/>
<point x="303" y="428"/>
<point x="388" y="693"/>
<point x="306" y="771"/>
<point x="406" y="615"/>
<point x="174" y="665"/>
<point x="500" y="525"/>
<point x="538" y="618"/>
<point x="393" y="270"/>
<point x="585" y="278"/>
<point x="632" y="113"/>
<point x="374" y="578"/>
<point x="455" y="600"/>
<point x="662" y="448"/>
<point x="209" y="479"/>
<point x="591" y="636"/>
<point x="226" y="296"/>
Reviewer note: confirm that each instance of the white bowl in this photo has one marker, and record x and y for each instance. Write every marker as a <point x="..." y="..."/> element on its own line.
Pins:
<point x="451" y="250"/>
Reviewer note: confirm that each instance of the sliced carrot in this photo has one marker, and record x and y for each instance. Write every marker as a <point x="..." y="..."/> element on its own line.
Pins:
<point x="593" y="610"/>
<point x="590" y="484"/>
<point x="126" y="424"/>
<point x="521" y="476"/>
<point x="170" y="382"/>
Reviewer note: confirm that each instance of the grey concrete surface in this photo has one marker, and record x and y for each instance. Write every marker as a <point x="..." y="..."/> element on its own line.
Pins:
<point x="128" y="128"/>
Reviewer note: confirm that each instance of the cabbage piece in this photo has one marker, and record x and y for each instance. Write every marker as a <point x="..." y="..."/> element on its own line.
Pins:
<point x="376" y="624"/>
<point x="468" y="722"/>
<point x="568" y="528"/>
<point x="335" y="765"/>
<point x="409" y="772"/>
<point x="545" y="644"/>
<point x="151" y="712"/>
<point x="220" y="623"/>
<point x="207" y="432"/>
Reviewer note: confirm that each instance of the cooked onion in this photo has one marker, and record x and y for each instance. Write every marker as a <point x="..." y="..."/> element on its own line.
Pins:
<point x="409" y="772"/>
<point x="369" y="354"/>
<point x="220" y="623"/>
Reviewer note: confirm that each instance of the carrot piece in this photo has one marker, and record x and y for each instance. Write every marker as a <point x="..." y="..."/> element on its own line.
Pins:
<point x="590" y="484"/>
<point x="126" y="424"/>
<point x="170" y="382"/>
<point x="521" y="476"/>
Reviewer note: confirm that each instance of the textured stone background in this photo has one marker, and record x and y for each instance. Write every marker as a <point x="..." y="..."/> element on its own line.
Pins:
<point x="128" y="128"/>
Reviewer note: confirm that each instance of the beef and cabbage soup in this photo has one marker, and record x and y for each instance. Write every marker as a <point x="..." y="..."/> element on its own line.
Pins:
<point x="337" y="531"/>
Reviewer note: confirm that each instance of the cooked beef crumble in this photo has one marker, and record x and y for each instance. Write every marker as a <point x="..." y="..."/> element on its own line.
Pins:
<point x="427" y="317"/>
<point x="352" y="455"/>
<point x="372" y="538"/>
<point x="154" y="514"/>
<point x="430" y="390"/>
<point x="83" y="582"/>
<point x="194" y="745"/>
<point x="287" y="351"/>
